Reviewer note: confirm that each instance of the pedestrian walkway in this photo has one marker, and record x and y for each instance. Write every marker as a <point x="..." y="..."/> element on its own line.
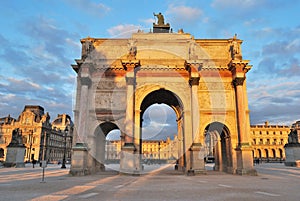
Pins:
<point x="274" y="182"/>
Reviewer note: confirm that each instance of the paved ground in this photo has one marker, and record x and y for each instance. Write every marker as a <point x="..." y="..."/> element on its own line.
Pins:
<point x="274" y="182"/>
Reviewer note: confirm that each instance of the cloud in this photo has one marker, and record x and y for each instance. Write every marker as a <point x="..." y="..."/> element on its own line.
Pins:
<point x="89" y="7"/>
<point x="237" y="4"/>
<point x="39" y="71"/>
<point x="183" y="16"/>
<point x="274" y="101"/>
<point x="148" y="22"/>
<point x="159" y="122"/>
<point x="123" y="30"/>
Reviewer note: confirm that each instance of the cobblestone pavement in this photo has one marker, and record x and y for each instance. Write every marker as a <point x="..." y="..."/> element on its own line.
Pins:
<point x="274" y="182"/>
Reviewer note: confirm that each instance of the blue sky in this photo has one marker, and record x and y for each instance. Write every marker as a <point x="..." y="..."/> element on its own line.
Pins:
<point x="39" y="41"/>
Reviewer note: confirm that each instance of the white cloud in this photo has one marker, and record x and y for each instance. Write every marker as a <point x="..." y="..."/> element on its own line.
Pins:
<point x="184" y="14"/>
<point x="89" y="7"/>
<point x="148" y="22"/>
<point x="123" y="30"/>
<point x="237" y="4"/>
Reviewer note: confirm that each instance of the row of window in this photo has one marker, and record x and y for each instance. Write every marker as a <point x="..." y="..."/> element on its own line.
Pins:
<point x="268" y="142"/>
<point x="269" y="132"/>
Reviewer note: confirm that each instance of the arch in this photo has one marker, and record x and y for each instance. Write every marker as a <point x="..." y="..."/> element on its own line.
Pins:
<point x="222" y="148"/>
<point x="1" y="153"/>
<point x="161" y="96"/>
<point x="266" y="153"/>
<point x="99" y="146"/>
<point x="281" y="153"/>
<point x="259" y="153"/>
<point x="274" y="153"/>
<point x="164" y="96"/>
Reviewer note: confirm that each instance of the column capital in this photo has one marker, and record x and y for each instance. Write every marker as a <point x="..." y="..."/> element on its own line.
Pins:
<point x="193" y="65"/>
<point x="240" y="66"/>
<point x="130" y="65"/>
<point x="238" y="81"/>
<point x="85" y="81"/>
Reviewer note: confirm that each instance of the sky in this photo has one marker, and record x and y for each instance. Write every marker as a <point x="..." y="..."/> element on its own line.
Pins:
<point x="40" y="39"/>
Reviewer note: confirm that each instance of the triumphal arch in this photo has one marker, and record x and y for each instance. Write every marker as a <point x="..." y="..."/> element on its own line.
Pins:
<point x="203" y="80"/>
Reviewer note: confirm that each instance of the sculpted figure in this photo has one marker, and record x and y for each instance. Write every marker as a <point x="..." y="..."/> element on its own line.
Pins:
<point x="16" y="137"/>
<point x="160" y="18"/>
<point x="235" y="48"/>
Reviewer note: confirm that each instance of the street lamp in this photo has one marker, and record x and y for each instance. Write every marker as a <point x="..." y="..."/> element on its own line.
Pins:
<point x="30" y="145"/>
<point x="65" y="148"/>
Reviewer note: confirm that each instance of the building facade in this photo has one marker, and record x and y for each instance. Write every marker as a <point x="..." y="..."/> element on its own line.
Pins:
<point x="268" y="141"/>
<point x="152" y="150"/>
<point x="43" y="140"/>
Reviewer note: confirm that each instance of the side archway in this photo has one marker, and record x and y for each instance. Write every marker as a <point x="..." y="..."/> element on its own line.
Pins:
<point x="100" y="134"/>
<point x="221" y="148"/>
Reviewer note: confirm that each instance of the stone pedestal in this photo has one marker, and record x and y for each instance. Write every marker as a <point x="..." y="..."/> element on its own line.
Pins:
<point x="197" y="159"/>
<point x="292" y="152"/>
<point x="161" y="28"/>
<point x="79" y="160"/>
<point x="129" y="161"/>
<point x="245" y="161"/>
<point x="15" y="156"/>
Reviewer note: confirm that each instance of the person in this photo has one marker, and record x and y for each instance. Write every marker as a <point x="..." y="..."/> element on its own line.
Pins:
<point x="160" y="18"/>
<point x="33" y="162"/>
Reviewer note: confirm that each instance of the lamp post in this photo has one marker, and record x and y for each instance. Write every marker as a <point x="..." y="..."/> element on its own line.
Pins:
<point x="65" y="149"/>
<point x="30" y="145"/>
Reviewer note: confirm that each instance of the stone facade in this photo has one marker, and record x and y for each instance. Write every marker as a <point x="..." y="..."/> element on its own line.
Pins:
<point x="203" y="80"/>
<point x="268" y="141"/>
<point x="43" y="140"/>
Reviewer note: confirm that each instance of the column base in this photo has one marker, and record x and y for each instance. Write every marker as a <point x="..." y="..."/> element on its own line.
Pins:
<point x="197" y="160"/>
<point x="129" y="161"/>
<point x="79" y="160"/>
<point x="245" y="161"/>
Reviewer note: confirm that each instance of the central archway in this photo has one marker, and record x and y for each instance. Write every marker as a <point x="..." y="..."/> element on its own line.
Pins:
<point x="163" y="96"/>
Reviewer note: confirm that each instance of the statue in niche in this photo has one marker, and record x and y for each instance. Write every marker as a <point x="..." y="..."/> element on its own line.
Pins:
<point x="132" y="49"/>
<point x="87" y="47"/>
<point x="160" y="19"/>
<point x="235" y="47"/>
<point x="192" y="50"/>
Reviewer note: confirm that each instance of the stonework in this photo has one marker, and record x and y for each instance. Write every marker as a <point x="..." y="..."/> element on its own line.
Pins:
<point x="196" y="77"/>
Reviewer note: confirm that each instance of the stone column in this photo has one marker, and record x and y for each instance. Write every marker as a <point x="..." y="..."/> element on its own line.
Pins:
<point x="197" y="155"/>
<point x="196" y="150"/>
<point x="244" y="152"/>
<point x="79" y="164"/>
<point x="129" y="161"/>
<point x="180" y="164"/>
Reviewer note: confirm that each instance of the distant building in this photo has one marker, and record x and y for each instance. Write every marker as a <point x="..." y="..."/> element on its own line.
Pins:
<point x="43" y="140"/>
<point x="152" y="149"/>
<point x="268" y="141"/>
